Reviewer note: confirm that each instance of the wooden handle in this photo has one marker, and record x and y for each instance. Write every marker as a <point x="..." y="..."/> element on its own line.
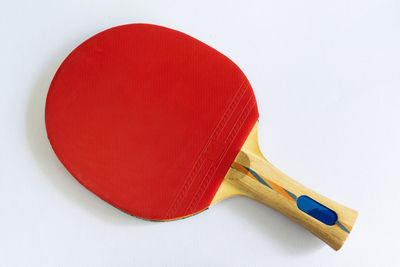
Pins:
<point x="258" y="179"/>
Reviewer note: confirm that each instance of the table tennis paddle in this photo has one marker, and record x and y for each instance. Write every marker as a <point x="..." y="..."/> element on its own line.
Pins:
<point x="162" y="126"/>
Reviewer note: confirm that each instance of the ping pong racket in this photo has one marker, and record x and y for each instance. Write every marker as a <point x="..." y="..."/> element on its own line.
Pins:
<point x="162" y="126"/>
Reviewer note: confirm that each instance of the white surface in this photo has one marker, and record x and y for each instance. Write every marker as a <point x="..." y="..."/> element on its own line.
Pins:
<point x="327" y="79"/>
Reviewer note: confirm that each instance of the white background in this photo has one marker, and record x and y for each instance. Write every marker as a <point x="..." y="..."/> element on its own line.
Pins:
<point x="326" y="75"/>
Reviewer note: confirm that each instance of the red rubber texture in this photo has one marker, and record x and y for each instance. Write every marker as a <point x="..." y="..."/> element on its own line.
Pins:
<point x="149" y="119"/>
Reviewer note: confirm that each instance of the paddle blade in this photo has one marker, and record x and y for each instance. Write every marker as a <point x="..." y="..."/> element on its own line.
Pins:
<point x="149" y="119"/>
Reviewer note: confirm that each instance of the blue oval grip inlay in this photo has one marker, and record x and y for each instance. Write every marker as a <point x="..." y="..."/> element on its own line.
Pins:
<point x="317" y="210"/>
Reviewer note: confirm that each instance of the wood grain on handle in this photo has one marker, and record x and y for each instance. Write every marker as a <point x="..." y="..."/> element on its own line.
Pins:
<point x="251" y="175"/>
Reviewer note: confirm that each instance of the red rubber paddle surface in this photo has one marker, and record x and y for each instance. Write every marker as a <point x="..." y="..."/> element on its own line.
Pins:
<point x="149" y="119"/>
